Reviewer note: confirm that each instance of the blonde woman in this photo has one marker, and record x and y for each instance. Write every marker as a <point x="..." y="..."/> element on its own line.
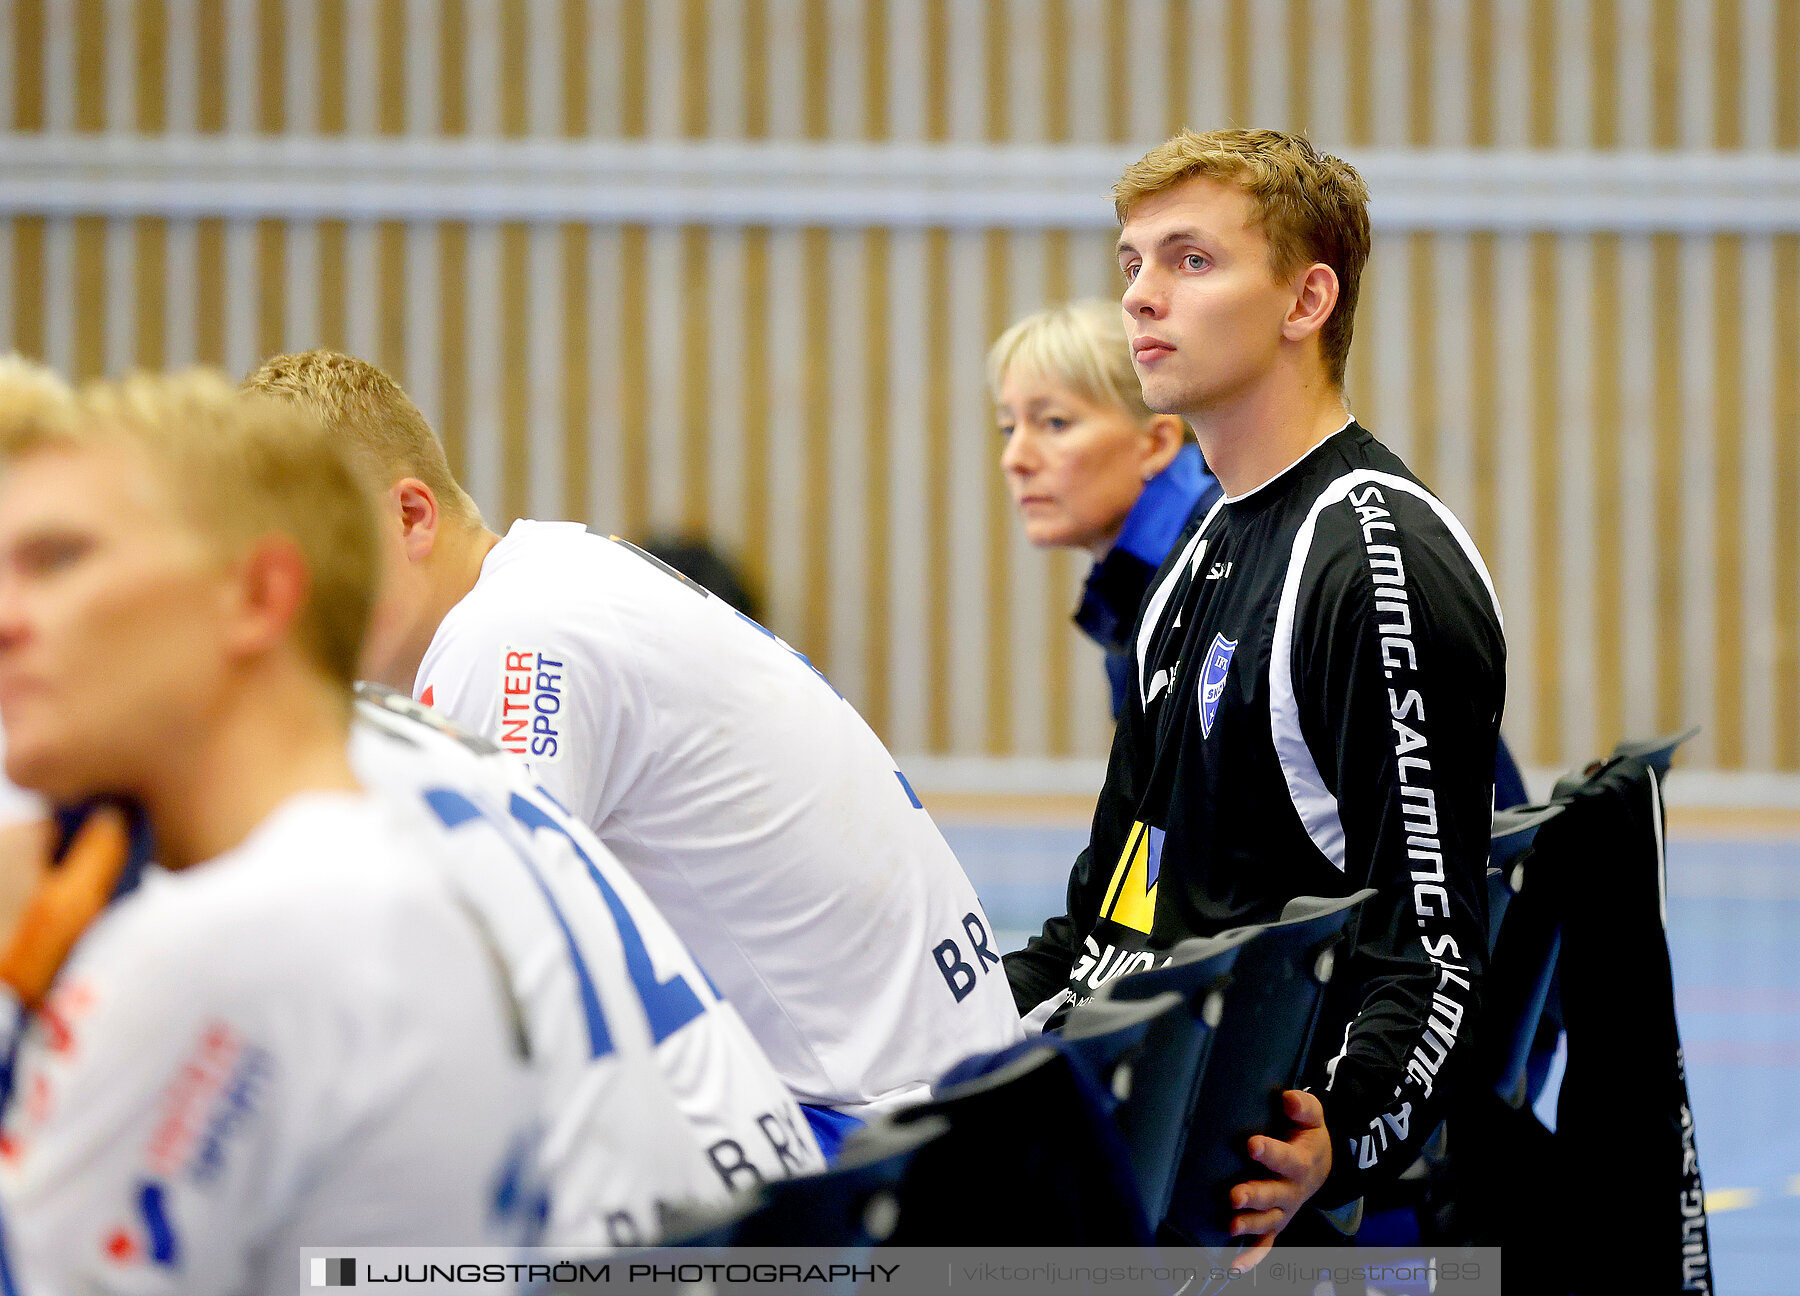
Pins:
<point x="1090" y="466"/>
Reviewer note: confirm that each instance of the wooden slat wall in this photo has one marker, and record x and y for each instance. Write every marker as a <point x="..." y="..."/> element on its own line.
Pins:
<point x="1616" y="416"/>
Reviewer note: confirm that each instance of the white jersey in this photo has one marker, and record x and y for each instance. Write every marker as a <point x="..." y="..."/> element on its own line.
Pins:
<point x="301" y="1042"/>
<point x="655" y="1093"/>
<point x="759" y="812"/>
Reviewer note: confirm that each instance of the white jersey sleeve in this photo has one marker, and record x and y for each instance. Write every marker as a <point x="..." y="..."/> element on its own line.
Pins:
<point x="749" y="800"/>
<point x="301" y="1042"/>
<point x="655" y="1093"/>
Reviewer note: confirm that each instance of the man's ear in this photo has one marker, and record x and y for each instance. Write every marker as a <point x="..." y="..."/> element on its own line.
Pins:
<point x="1166" y="433"/>
<point x="272" y="588"/>
<point x="417" y="508"/>
<point x="1313" y="303"/>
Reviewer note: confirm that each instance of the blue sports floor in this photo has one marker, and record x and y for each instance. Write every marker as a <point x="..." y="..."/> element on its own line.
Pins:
<point x="1734" y="935"/>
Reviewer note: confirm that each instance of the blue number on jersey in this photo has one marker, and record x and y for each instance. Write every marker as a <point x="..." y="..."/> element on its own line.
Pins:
<point x="454" y="810"/>
<point x="670" y="1004"/>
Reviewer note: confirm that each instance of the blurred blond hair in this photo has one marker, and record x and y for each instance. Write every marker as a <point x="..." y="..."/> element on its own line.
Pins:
<point x="1080" y="344"/>
<point x="1312" y="207"/>
<point x="32" y="394"/>
<point x="237" y="467"/>
<point x="371" y="416"/>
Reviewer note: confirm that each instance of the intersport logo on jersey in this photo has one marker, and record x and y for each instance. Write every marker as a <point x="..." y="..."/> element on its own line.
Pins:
<point x="532" y="695"/>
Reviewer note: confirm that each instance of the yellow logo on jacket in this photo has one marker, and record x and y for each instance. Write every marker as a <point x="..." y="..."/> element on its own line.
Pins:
<point x="1131" y="896"/>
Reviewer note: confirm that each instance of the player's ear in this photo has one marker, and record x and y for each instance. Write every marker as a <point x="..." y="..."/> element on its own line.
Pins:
<point x="1315" y="296"/>
<point x="1165" y="434"/>
<point x="272" y="586"/>
<point x="417" y="509"/>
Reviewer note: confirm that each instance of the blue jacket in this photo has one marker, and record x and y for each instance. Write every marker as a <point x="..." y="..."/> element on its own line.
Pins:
<point x="1116" y="585"/>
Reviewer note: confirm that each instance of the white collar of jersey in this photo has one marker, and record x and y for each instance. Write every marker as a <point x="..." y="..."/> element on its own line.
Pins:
<point x="1233" y="499"/>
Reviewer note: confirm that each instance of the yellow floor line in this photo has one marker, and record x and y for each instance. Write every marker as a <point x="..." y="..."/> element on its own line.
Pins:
<point x="1730" y="1199"/>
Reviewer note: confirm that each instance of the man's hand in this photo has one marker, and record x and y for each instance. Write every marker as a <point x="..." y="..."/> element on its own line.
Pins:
<point x="1266" y="1206"/>
<point x="64" y="900"/>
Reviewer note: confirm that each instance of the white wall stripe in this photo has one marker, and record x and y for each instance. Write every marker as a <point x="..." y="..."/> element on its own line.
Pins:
<point x="8" y="286"/>
<point x="544" y="84"/>
<point x="363" y="302"/>
<point x="1756" y="520"/>
<point x="906" y="53"/>
<point x="910" y="520"/>
<point x="1697" y="469"/>
<point x="362" y="51"/>
<point x="1452" y="430"/>
<point x="544" y="390"/>
<point x="424" y="322"/>
<point x="1209" y="105"/>
<point x="1390" y="94"/>
<point x="1450" y="60"/>
<point x="846" y="522"/>
<point x="1517" y="557"/>
<point x="121" y="66"/>
<point x="606" y="478"/>
<point x="968" y="72"/>
<point x="59" y="79"/>
<point x="1511" y="43"/>
<point x="9" y="79"/>
<point x="844" y="70"/>
<point x="243" y="310"/>
<point x="1269" y="54"/>
<point x="300" y="70"/>
<point x="1147" y="74"/>
<point x="1759" y="56"/>
<point x="1574" y="559"/>
<point x="1392" y="321"/>
<point x="605" y="61"/>
<point x="725" y="467"/>
<point x="1696" y="76"/>
<point x="784" y="22"/>
<point x="1573" y="73"/>
<point x="481" y="66"/>
<point x="1327" y="116"/>
<point x="483" y="290"/>
<point x="241" y="67"/>
<point x="662" y="41"/>
<point x="59" y="294"/>
<point x="121" y="298"/>
<point x="1028" y="672"/>
<point x="786" y="482"/>
<point x="422" y="61"/>
<point x="725" y="69"/>
<point x="1088" y="76"/>
<point x="301" y="329"/>
<point x="668" y="348"/>
<point x="1641" y="647"/>
<point x="967" y="522"/>
<point x="1027" y="95"/>
<point x="181" y="271"/>
<point x="1632" y="24"/>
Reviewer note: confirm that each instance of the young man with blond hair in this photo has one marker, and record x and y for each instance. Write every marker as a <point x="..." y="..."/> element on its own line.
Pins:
<point x="744" y="794"/>
<point x="1317" y="671"/>
<point x="291" y="1032"/>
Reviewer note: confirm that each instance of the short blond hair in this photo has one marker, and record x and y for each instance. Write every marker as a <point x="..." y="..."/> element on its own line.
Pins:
<point x="32" y="396"/>
<point x="237" y="467"/>
<point x="1081" y="344"/>
<point x="371" y="416"/>
<point x="1312" y="207"/>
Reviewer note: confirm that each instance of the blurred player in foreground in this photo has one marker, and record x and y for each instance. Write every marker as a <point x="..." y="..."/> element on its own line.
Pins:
<point x="655" y="1094"/>
<point x="1317" y="674"/>
<point x="752" y="803"/>
<point x="292" y="1032"/>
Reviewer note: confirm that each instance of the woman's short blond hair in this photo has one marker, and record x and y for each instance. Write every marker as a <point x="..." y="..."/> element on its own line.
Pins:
<point x="371" y="416"/>
<point x="237" y="467"/>
<point x="1081" y="344"/>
